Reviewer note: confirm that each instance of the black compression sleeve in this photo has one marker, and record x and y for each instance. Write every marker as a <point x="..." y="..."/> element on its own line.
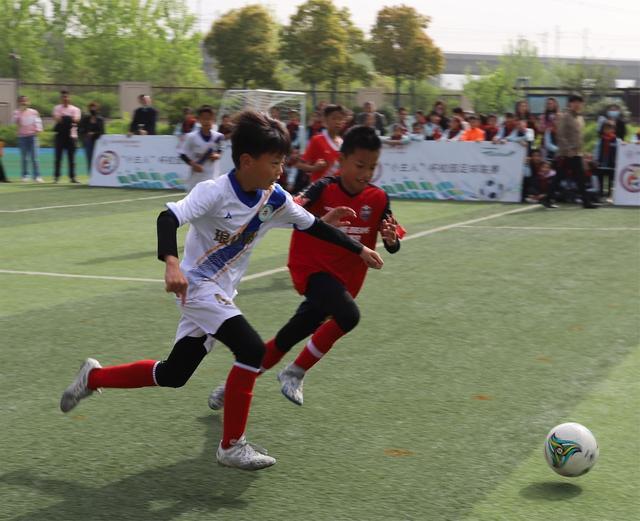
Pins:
<point x="326" y="232"/>
<point x="392" y="248"/>
<point x="185" y="159"/>
<point x="167" y="225"/>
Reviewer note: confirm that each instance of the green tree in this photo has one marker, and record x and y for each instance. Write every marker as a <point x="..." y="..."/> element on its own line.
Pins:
<point x="401" y="48"/>
<point x="22" y="36"/>
<point x="244" y="43"/>
<point x="319" y="42"/>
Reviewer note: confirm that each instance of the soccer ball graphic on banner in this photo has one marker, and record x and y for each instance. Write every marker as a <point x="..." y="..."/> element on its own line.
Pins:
<point x="570" y="449"/>
<point x="491" y="190"/>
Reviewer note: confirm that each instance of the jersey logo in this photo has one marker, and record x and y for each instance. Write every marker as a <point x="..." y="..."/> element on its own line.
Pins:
<point x="365" y="212"/>
<point x="265" y="212"/>
<point x="228" y="216"/>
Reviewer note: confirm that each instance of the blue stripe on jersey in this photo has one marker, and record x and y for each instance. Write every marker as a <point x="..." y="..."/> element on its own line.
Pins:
<point x="220" y="258"/>
<point x="248" y="199"/>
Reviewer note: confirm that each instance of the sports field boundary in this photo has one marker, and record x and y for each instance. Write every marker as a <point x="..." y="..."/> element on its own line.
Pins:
<point x="267" y="273"/>
<point x="96" y="203"/>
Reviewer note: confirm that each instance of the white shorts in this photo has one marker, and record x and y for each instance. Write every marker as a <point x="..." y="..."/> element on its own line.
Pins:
<point x="206" y="309"/>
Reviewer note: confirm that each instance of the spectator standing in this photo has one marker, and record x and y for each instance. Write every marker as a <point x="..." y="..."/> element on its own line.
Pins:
<point x="67" y="117"/>
<point x="522" y="112"/>
<point x="3" y="177"/>
<point x="379" y="121"/>
<point x="91" y="127"/>
<point x="440" y="108"/>
<point x="613" y="114"/>
<point x="549" y="143"/>
<point x="402" y="119"/>
<point x="605" y="156"/>
<point x="29" y="126"/>
<point x="225" y="127"/>
<point x="459" y="113"/>
<point x="433" y="130"/>
<point x="548" y="118"/>
<point x="316" y="125"/>
<point x="293" y="127"/>
<point x="570" y="128"/>
<point x="145" y="118"/>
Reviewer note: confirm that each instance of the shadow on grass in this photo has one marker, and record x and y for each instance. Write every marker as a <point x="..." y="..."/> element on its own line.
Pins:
<point x="551" y="491"/>
<point x="159" y="494"/>
<point x="151" y="255"/>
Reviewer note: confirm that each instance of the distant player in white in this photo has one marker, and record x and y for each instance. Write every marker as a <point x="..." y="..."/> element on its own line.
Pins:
<point x="228" y="216"/>
<point x="201" y="149"/>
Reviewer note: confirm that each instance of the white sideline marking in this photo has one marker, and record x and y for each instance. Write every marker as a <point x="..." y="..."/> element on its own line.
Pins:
<point x="91" y="204"/>
<point x="275" y="270"/>
<point x="568" y="228"/>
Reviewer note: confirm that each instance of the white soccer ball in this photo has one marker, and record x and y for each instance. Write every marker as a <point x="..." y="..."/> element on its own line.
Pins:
<point x="571" y="450"/>
<point x="491" y="190"/>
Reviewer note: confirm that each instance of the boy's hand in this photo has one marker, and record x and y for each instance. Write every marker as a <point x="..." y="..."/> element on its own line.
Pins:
<point x="371" y="258"/>
<point x="389" y="230"/>
<point x="196" y="167"/>
<point x="174" y="280"/>
<point x="335" y="216"/>
<point x="214" y="156"/>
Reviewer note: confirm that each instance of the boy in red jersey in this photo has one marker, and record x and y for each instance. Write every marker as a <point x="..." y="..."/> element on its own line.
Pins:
<point x="328" y="278"/>
<point x="323" y="151"/>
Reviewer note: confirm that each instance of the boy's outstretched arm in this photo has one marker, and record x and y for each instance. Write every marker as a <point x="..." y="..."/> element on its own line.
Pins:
<point x="174" y="279"/>
<point x="326" y="232"/>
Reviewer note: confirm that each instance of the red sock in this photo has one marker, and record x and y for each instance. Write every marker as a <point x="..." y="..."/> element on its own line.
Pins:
<point x="272" y="355"/>
<point x="127" y="376"/>
<point x="238" y="392"/>
<point x="319" y="344"/>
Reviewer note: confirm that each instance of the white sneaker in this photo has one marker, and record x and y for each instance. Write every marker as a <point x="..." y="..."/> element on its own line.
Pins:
<point x="78" y="388"/>
<point x="39" y="180"/>
<point x="291" y="383"/>
<point x="25" y="179"/>
<point x="216" y="398"/>
<point x="243" y="455"/>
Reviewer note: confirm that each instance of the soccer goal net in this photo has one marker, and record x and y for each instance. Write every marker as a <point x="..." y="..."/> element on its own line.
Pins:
<point x="279" y="104"/>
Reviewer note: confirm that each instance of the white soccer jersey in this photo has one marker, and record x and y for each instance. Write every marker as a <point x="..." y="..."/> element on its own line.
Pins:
<point x="226" y="223"/>
<point x="198" y="148"/>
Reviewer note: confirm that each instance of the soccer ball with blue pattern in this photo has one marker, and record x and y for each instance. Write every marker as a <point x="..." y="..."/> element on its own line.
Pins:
<point x="570" y="449"/>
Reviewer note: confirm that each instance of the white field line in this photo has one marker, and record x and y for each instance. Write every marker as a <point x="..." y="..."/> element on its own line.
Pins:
<point x="562" y="228"/>
<point x="92" y="204"/>
<point x="276" y="270"/>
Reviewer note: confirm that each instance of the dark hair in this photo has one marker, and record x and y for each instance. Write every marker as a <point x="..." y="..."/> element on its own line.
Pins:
<point x="329" y="109"/>
<point x="205" y="108"/>
<point x="255" y="133"/>
<point x="509" y="115"/>
<point x="492" y="116"/>
<point x="575" y="97"/>
<point x="94" y="104"/>
<point x="473" y="117"/>
<point x="140" y="96"/>
<point x="458" y="110"/>
<point x="21" y="97"/>
<point x="360" y="136"/>
<point x="63" y="92"/>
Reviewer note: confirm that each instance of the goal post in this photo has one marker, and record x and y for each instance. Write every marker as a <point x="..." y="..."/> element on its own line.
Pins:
<point x="267" y="101"/>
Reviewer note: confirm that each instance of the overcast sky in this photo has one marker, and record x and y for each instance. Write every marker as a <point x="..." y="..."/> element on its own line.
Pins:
<point x="591" y="28"/>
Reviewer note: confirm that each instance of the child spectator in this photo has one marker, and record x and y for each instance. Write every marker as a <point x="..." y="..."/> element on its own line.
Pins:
<point x="474" y="132"/>
<point x="293" y="127"/>
<point x="613" y="114"/>
<point x="397" y="137"/>
<point x="417" y="132"/>
<point x="433" y="129"/>
<point x="454" y="132"/>
<point x="322" y="155"/>
<point x="549" y="143"/>
<point x="459" y="113"/>
<point x="491" y="127"/>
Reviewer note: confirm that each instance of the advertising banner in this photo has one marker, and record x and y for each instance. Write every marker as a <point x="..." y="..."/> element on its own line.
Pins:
<point x="452" y="171"/>
<point x="627" y="182"/>
<point x="418" y="170"/>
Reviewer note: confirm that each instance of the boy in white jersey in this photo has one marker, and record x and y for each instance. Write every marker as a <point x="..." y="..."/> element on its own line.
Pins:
<point x="201" y="149"/>
<point x="228" y="216"/>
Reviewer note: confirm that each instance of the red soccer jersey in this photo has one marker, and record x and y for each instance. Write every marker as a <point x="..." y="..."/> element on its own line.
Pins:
<point x="322" y="146"/>
<point x="309" y="255"/>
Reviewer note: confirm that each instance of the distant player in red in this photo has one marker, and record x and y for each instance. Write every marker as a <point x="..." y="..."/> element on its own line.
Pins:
<point x="329" y="278"/>
<point x="321" y="158"/>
